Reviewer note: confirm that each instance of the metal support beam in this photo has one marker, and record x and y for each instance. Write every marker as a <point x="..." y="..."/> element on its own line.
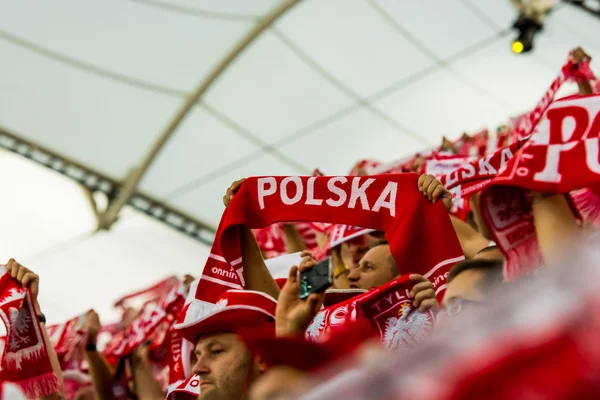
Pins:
<point x="590" y="6"/>
<point x="94" y="182"/>
<point x="130" y="184"/>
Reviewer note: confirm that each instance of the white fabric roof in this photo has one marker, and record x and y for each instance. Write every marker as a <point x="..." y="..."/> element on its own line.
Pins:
<point x="331" y="82"/>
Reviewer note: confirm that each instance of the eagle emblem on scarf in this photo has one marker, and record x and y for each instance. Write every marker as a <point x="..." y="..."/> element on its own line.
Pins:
<point x="316" y="326"/>
<point x="408" y="329"/>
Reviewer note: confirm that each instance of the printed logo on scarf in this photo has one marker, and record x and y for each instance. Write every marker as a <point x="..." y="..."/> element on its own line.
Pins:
<point x="390" y="309"/>
<point x="408" y="328"/>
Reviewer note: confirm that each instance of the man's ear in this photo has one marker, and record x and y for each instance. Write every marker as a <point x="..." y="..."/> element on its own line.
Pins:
<point x="262" y="366"/>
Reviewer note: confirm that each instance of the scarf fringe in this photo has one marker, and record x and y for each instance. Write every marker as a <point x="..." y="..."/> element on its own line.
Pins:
<point x="522" y="259"/>
<point x="42" y="385"/>
<point x="588" y="205"/>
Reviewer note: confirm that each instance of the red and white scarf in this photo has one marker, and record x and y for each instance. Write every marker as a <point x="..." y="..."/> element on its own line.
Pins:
<point x="388" y="308"/>
<point x="527" y="123"/>
<point x="143" y="327"/>
<point x="561" y="156"/>
<point x="25" y="361"/>
<point x="188" y="389"/>
<point x="420" y="234"/>
<point x="587" y="203"/>
<point x="473" y="177"/>
<point x="148" y="295"/>
<point x="69" y="341"/>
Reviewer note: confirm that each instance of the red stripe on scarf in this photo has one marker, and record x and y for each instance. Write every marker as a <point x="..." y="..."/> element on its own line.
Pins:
<point x="560" y="157"/>
<point x="25" y="360"/>
<point x="420" y="233"/>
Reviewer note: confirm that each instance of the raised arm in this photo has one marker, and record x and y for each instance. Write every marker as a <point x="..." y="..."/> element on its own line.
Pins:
<point x="99" y="370"/>
<point x="471" y="241"/>
<point x="578" y="55"/>
<point x="292" y="239"/>
<point x="256" y="273"/>
<point x="555" y="225"/>
<point x="146" y="387"/>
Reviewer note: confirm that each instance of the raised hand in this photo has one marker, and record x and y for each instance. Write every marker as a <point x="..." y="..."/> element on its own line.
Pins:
<point x="434" y="190"/>
<point x="423" y="293"/>
<point x="25" y="276"/>
<point x="293" y="315"/>
<point x="231" y="190"/>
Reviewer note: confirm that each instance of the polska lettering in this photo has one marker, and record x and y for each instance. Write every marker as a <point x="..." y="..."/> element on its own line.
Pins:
<point x="566" y="124"/>
<point x="485" y="167"/>
<point x="342" y="191"/>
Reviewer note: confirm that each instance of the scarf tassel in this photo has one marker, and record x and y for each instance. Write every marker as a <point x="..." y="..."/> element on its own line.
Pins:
<point x="588" y="205"/>
<point x="42" y="385"/>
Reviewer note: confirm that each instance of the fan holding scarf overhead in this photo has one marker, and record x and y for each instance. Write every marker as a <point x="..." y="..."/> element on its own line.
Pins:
<point x="390" y="203"/>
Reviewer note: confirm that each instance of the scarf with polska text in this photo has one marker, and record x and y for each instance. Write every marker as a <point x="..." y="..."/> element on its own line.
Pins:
<point x="25" y="360"/>
<point x="422" y="239"/>
<point x="560" y="157"/>
<point x="570" y="71"/>
<point x="475" y="176"/>
<point x="439" y="165"/>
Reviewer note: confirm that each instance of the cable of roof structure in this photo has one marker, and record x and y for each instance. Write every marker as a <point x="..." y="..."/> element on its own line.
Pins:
<point x="130" y="184"/>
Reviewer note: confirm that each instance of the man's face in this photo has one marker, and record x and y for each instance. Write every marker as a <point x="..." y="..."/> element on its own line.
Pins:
<point x="223" y="366"/>
<point x="465" y="288"/>
<point x="374" y="269"/>
<point x="355" y="249"/>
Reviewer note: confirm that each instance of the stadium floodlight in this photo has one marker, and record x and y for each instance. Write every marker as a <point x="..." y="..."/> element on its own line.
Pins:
<point x="529" y="22"/>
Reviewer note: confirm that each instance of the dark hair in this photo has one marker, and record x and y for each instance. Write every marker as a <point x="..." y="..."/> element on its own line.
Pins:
<point x="393" y="265"/>
<point x="494" y="270"/>
<point x="489" y="248"/>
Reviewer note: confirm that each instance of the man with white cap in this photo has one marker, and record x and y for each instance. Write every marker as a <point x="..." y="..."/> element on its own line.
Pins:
<point x="224" y="366"/>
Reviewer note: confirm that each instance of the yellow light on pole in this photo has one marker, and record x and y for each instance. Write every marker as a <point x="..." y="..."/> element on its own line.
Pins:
<point x="517" y="47"/>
